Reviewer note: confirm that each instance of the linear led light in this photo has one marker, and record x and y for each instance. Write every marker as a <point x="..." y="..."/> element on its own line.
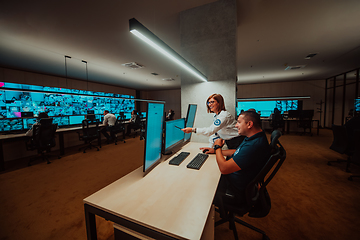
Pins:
<point x="273" y="98"/>
<point x="147" y="36"/>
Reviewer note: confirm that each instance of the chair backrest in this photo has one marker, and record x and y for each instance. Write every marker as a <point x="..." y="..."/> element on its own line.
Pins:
<point x="274" y="140"/>
<point x="46" y="121"/>
<point x="44" y="136"/>
<point x="90" y="129"/>
<point x="256" y="189"/>
<point x="340" y="140"/>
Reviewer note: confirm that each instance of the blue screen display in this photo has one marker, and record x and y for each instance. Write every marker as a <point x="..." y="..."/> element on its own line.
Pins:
<point x="357" y="105"/>
<point x="28" y="122"/>
<point x="76" y="119"/>
<point x="11" y="124"/>
<point x="190" y="119"/>
<point x="174" y="135"/>
<point x="153" y="138"/>
<point x="57" y="102"/>
<point x="266" y="108"/>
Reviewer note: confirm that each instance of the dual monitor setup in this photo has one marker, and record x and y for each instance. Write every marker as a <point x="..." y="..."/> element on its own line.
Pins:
<point x="163" y="137"/>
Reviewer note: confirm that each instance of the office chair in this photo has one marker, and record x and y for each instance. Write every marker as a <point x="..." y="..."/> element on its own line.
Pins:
<point x="43" y="140"/>
<point x="277" y="122"/>
<point x="117" y="128"/>
<point x="137" y="125"/>
<point x="356" y="159"/>
<point x="258" y="203"/>
<point x="340" y="145"/>
<point x="305" y="121"/>
<point x="90" y="132"/>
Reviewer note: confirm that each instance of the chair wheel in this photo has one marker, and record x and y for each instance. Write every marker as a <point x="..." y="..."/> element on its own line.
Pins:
<point x="329" y="163"/>
<point x="350" y="178"/>
<point x="98" y="149"/>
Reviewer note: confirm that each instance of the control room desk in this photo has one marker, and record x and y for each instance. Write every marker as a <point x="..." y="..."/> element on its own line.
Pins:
<point x="170" y="202"/>
<point x="21" y="136"/>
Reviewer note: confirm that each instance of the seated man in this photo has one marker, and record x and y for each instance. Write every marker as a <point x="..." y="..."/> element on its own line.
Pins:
<point x="245" y="162"/>
<point x="109" y="121"/>
<point x="132" y="124"/>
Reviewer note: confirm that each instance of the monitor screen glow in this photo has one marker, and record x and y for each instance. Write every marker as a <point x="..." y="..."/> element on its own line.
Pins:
<point x="153" y="136"/>
<point x="173" y="135"/>
<point x="190" y="119"/>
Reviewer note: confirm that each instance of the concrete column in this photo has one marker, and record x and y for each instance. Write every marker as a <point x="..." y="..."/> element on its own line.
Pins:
<point x="208" y="42"/>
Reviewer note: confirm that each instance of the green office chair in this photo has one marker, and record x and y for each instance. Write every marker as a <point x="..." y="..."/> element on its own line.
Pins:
<point x="258" y="203"/>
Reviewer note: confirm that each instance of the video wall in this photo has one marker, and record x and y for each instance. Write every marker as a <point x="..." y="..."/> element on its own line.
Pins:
<point x="266" y="108"/>
<point x="20" y="104"/>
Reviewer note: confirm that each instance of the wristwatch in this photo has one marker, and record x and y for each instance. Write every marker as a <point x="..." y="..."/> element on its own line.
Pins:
<point x="217" y="147"/>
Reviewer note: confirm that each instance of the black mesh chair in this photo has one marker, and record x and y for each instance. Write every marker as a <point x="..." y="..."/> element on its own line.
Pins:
<point x="137" y="126"/>
<point x="305" y="121"/>
<point x="258" y="203"/>
<point x="341" y="145"/>
<point x="90" y="133"/>
<point x="43" y="140"/>
<point x="118" y="128"/>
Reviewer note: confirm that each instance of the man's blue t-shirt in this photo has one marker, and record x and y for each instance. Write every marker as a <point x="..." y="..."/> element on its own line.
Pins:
<point x="250" y="156"/>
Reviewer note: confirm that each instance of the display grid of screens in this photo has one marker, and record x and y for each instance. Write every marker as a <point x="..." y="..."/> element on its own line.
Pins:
<point x="357" y="105"/>
<point x="153" y="137"/>
<point x="65" y="106"/>
<point x="173" y="134"/>
<point x="190" y="119"/>
<point x="266" y="108"/>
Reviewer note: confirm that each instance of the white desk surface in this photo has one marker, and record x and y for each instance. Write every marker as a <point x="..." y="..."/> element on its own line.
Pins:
<point x="170" y="199"/>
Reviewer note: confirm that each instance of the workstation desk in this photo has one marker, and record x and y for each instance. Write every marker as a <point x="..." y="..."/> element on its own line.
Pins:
<point x="289" y="122"/>
<point x="21" y="137"/>
<point x="170" y="202"/>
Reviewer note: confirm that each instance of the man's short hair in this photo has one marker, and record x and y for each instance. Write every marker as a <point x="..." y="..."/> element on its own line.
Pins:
<point x="106" y="111"/>
<point x="252" y="116"/>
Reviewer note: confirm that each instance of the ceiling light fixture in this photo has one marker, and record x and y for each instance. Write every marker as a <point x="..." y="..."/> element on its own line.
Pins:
<point x="311" y="55"/>
<point x="147" y="36"/>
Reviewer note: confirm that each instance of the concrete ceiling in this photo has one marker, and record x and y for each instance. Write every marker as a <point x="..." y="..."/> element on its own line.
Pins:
<point x="272" y="35"/>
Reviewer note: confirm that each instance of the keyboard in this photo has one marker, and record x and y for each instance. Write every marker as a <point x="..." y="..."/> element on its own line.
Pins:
<point x="197" y="161"/>
<point x="179" y="158"/>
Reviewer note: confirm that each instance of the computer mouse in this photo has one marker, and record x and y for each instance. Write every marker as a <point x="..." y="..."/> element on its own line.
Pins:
<point x="205" y="150"/>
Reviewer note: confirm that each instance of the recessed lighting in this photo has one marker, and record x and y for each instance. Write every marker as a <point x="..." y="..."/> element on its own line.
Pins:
<point x="311" y="55"/>
<point x="133" y="65"/>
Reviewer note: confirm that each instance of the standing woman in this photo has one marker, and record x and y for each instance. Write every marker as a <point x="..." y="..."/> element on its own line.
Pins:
<point x="222" y="127"/>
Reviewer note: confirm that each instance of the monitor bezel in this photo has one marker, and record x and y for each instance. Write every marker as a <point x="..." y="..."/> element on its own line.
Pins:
<point x="170" y="149"/>
<point x="154" y="164"/>
<point x="186" y="121"/>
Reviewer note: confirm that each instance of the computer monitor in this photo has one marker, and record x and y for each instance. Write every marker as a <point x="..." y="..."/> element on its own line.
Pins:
<point x="27" y="114"/>
<point x="153" y="135"/>
<point x="173" y="137"/>
<point x="29" y="122"/>
<point x="61" y="121"/>
<point x="76" y="119"/>
<point x="15" y="124"/>
<point x="91" y="117"/>
<point x="190" y="119"/>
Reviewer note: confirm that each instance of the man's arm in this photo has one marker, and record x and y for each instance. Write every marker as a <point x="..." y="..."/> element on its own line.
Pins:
<point x="225" y="166"/>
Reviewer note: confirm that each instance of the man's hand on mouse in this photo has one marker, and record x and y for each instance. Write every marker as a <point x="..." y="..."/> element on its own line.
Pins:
<point x="207" y="150"/>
